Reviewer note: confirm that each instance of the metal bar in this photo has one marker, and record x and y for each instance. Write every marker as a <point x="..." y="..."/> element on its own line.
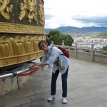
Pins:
<point x="6" y="75"/>
<point x="15" y="73"/>
<point x="21" y="71"/>
<point x="12" y="74"/>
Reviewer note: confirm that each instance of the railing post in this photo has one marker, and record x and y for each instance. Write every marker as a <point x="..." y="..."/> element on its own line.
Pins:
<point x="92" y="52"/>
<point x="63" y="43"/>
<point x="52" y="42"/>
<point x="75" y="50"/>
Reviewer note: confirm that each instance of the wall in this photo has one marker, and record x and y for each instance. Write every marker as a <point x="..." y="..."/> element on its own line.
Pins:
<point x="87" y="56"/>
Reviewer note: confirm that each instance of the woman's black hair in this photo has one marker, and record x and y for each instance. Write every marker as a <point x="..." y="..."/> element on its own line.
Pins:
<point x="42" y="42"/>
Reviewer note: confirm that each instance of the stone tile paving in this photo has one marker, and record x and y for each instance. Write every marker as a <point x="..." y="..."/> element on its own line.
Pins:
<point x="87" y="87"/>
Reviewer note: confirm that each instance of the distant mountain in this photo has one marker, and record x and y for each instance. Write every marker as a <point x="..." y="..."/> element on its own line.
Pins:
<point x="71" y="29"/>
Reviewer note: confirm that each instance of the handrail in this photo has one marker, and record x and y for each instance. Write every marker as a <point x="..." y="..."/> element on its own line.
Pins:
<point x="13" y="74"/>
<point x="18" y="72"/>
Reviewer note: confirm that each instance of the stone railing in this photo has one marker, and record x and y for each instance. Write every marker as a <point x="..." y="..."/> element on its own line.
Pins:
<point x="87" y="54"/>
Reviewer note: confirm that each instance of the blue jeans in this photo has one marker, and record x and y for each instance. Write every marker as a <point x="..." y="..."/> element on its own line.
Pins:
<point x="64" y="83"/>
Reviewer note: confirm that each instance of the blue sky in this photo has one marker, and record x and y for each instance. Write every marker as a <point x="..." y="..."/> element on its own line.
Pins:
<point x="78" y="13"/>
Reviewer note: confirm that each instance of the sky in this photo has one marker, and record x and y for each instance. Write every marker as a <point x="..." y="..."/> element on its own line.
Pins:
<point x="77" y="13"/>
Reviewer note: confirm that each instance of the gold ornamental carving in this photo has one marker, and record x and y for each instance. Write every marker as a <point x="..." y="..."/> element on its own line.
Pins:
<point x="5" y="8"/>
<point x="20" y="28"/>
<point x="41" y="13"/>
<point x="28" y="10"/>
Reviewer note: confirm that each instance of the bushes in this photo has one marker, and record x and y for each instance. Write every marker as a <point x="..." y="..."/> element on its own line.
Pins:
<point x="105" y="50"/>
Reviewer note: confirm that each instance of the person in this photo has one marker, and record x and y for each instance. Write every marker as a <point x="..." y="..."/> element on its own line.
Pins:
<point x="53" y="55"/>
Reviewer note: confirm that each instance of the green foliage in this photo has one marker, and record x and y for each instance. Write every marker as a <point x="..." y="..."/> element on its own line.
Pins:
<point x="105" y="50"/>
<point x="68" y="40"/>
<point x="58" y="37"/>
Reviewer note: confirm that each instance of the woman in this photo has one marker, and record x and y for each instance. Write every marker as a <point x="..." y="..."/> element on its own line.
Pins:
<point x="53" y="55"/>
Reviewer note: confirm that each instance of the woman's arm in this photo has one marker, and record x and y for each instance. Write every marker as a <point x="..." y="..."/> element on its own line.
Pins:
<point x="38" y="64"/>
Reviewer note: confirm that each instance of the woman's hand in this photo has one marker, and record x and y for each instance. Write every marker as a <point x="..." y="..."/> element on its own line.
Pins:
<point x="32" y="66"/>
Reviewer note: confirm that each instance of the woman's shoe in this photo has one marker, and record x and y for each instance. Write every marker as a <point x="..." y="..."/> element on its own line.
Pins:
<point x="51" y="98"/>
<point x="64" y="100"/>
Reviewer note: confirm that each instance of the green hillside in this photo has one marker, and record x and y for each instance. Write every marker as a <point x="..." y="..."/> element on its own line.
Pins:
<point x="102" y="35"/>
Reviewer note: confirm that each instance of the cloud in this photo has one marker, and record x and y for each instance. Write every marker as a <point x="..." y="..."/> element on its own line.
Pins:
<point x="97" y="20"/>
<point x="67" y="13"/>
<point x="48" y="16"/>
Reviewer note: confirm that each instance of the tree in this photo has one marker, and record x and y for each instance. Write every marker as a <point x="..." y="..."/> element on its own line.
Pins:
<point x="68" y="40"/>
<point x="58" y="37"/>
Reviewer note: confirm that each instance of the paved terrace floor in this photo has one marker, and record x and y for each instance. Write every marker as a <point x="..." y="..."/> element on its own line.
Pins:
<point x="87" y="87"/>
